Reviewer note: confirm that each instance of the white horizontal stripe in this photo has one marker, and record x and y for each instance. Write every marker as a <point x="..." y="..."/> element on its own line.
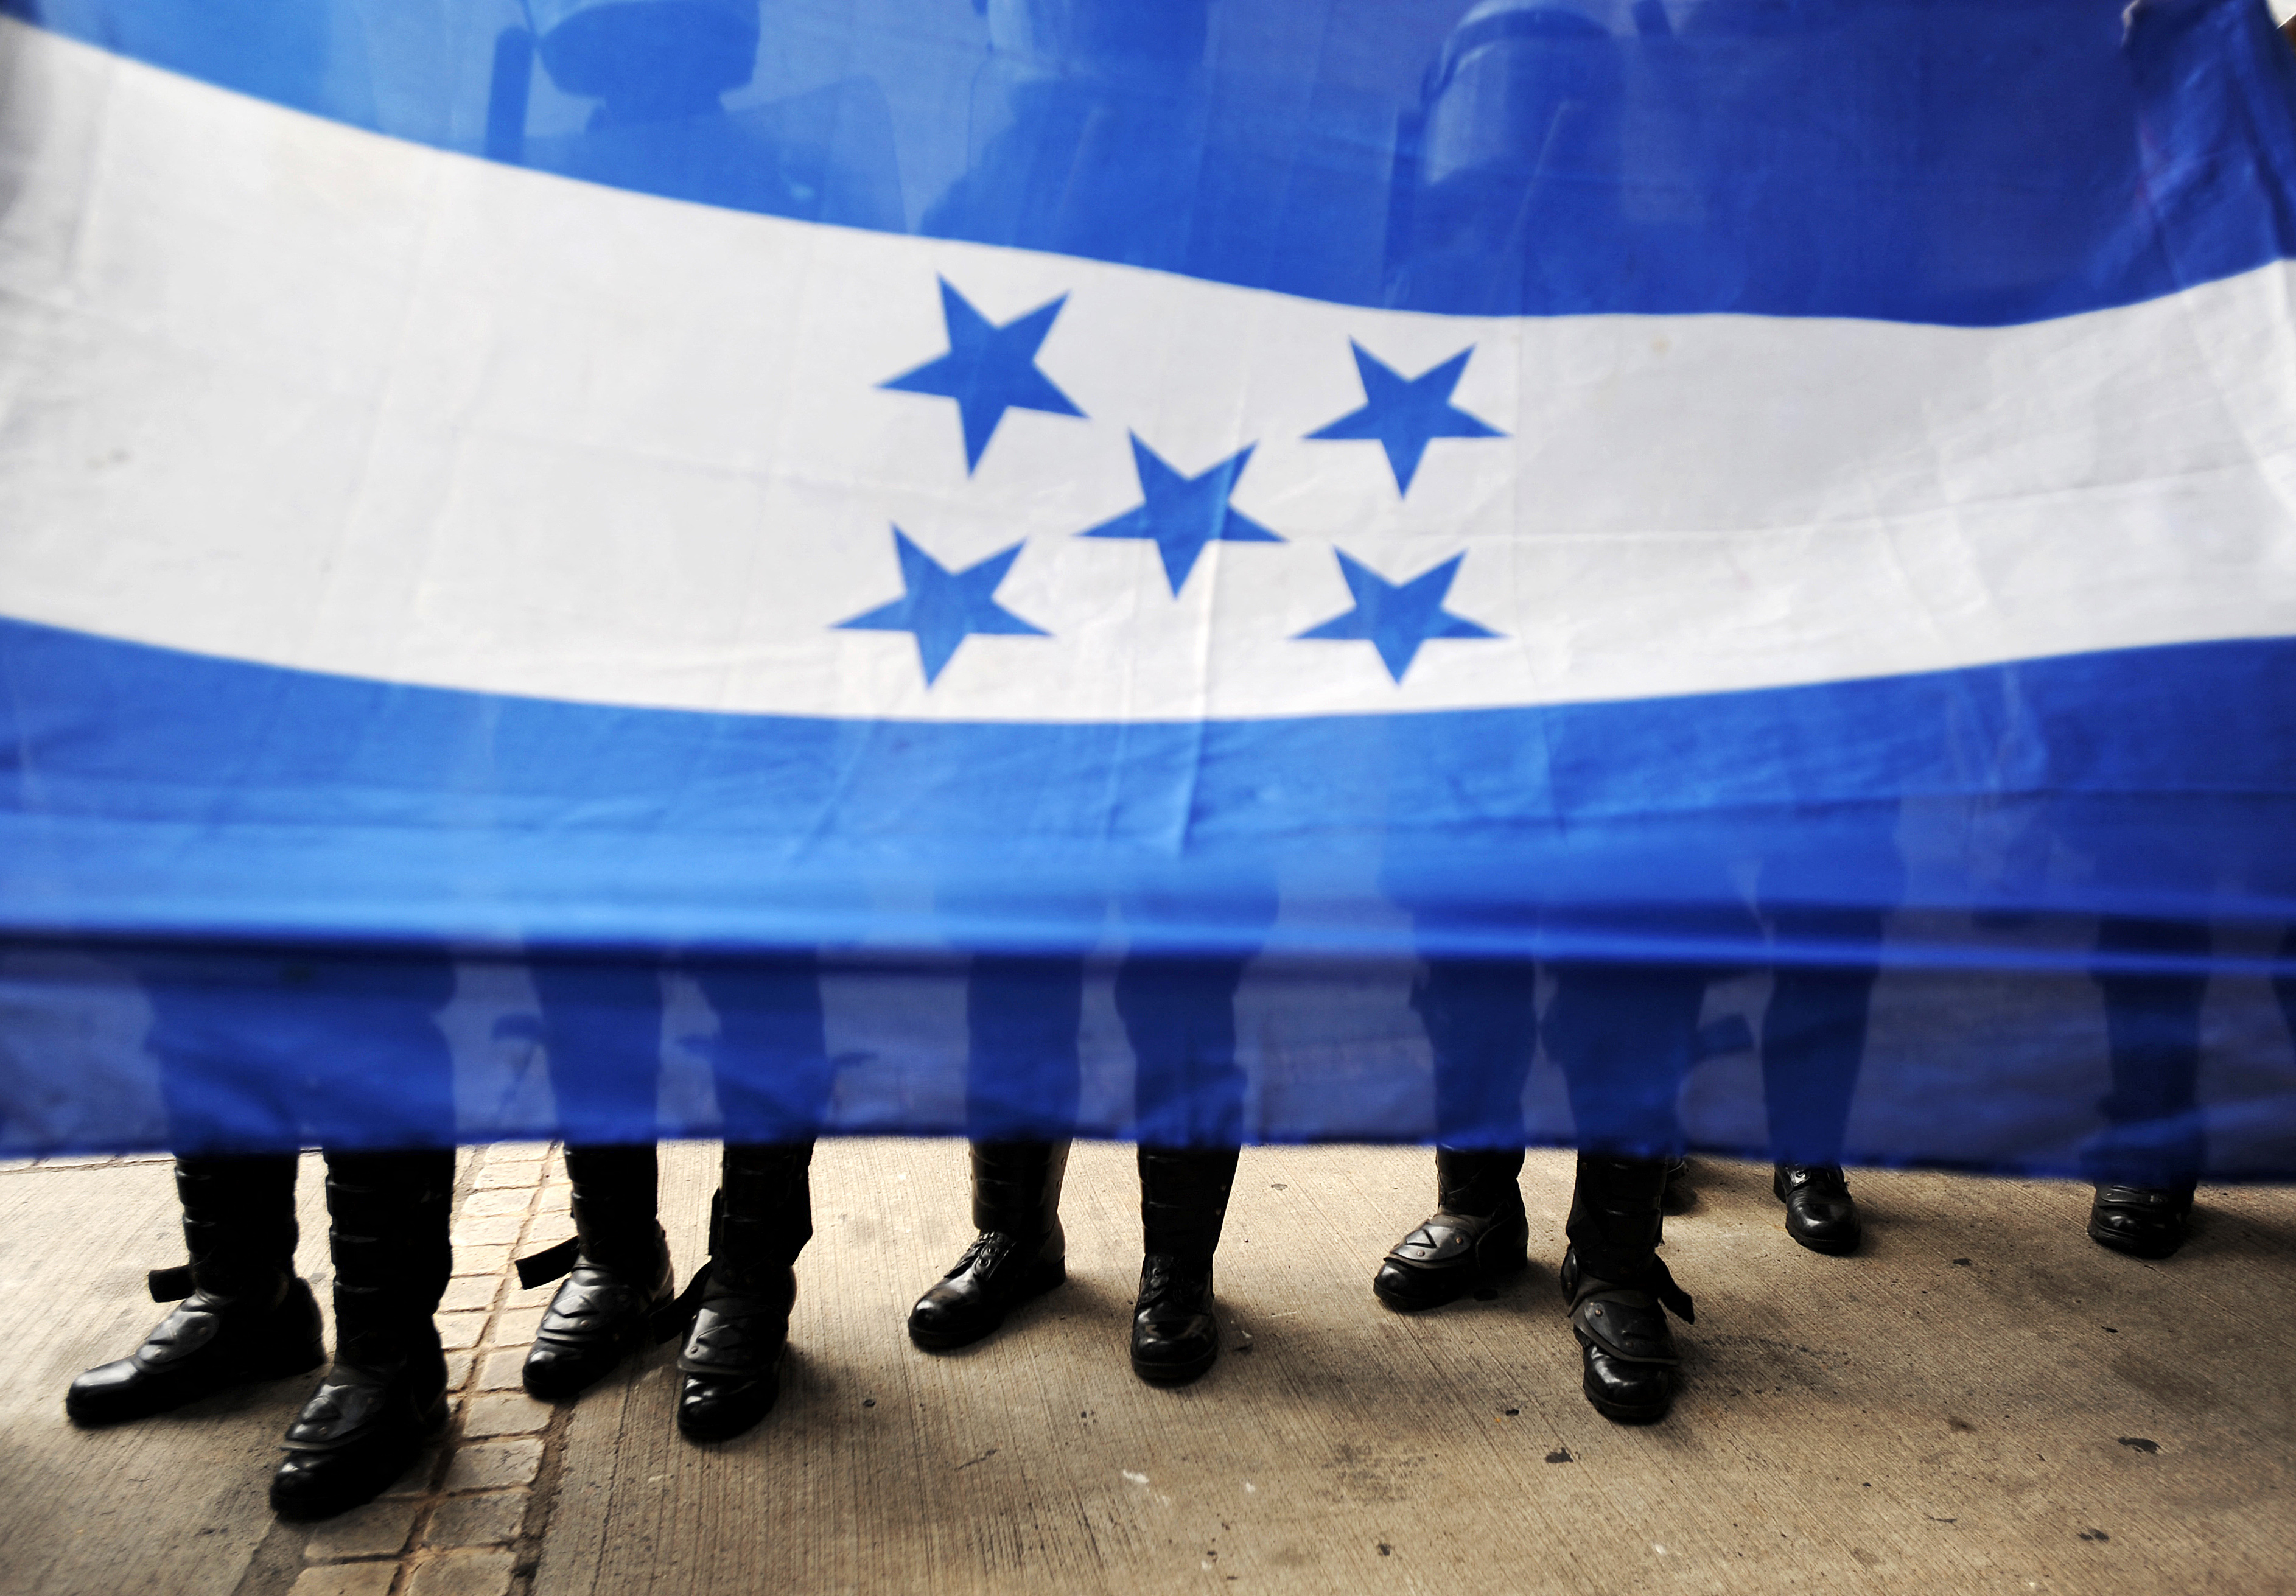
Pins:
<point x="285" y="391"/>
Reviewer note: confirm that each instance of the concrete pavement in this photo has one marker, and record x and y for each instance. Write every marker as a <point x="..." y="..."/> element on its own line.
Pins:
<point x="1982" y="1400"/>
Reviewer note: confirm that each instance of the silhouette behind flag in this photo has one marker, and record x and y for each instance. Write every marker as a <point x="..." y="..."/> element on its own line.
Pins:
<point x="1637" y="572"/>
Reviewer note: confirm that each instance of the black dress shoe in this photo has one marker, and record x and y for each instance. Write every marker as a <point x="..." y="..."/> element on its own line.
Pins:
<point x="731" y="1360"/>
<point x="997" y="1273"/>
<point x="2145" y="1222"/>
<point x="1450" y="1255"/>
<point x="362" y="1429"/>
<point x="1626" y="1347"/>
<point x="1174" y="1334"/>
<point x="600" y="1316"/>
<point x="209" y="1342"/>
<point x="1820" y="1213"/>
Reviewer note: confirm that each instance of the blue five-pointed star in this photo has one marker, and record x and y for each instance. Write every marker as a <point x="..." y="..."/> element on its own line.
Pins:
<point x="1404" y="413"/>
<point x="989" y="370"/>
<point x="1181" y="515"/>
<point x="942" y="607"/>
<point x="1394" y="618"/>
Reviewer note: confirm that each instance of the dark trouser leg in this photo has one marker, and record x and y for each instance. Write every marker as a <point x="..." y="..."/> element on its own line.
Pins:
<point x="1482" y="1021"/>
<point x="1022" y="1081"/>
<point x="2152" y="1031"/>
<point x="1622" y="1033"/>
<point x="732" y="1359"/>
<point x="2284" y="984"/>
<point x="1022" y="1075"/>
<point x="770" y="1065"/>
<point x="770" y="1061"/>
<point x="387" y="1232"/>
<point x="2149" y="1160"/>
<point x="1481" y="1017"/>
<point x="1813" y="1043"/>
<point x="602" y="1021"/>
<point x="603" y="1025"/>
<point x="1623" y="1036"/>
<point x="1179" y="1016"/>
<point x="246" y="1316"/>
<point x="617" y="1196"/>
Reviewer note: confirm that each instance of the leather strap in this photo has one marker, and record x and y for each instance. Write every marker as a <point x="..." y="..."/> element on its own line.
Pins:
<point x="673" y="1316"/>
<point x="170" y="1285"/>
<point x="1659" y="1283"/>
<point x="552" y="1263"/>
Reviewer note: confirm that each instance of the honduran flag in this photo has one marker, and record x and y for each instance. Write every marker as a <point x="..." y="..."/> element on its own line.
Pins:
<point x="1182" y="568"/>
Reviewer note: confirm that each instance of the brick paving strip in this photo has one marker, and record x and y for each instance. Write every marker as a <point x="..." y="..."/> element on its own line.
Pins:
<point x="469" y="1520"/>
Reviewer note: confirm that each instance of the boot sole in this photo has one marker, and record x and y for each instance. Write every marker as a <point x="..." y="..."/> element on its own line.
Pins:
<point x="1620" y="1412"/>
<point x="1833" y="1249"/>
<point x="1176" y="1374"/>
<point x="1477" y="1275"/>
<point x="1045" y="1278"/>
<point x="706" y="1433"/>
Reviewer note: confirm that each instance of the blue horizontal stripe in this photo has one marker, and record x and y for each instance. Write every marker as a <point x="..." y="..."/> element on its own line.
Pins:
<point x="1973" y="164"/>
<point x="152" y="792"/>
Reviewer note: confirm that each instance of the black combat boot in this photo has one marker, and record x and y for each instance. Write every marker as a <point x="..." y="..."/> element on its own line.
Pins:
<point x="761" y="1221"/>
<point x="1618" y="1290"/>
<point x="1020" y="1253"/>
<point x="1478" y="1232"/>
<point x="245" y="1316"/>
<point x="386" y="1394"/>
<point x="1820" y="1213"/>
<point x="619" y="1283"/>
<point x="2145" y="1222"/>
<point x="1182" y="1201"/>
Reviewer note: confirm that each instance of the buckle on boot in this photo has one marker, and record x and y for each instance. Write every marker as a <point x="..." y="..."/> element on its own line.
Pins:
<point x="170" y="1285"/>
